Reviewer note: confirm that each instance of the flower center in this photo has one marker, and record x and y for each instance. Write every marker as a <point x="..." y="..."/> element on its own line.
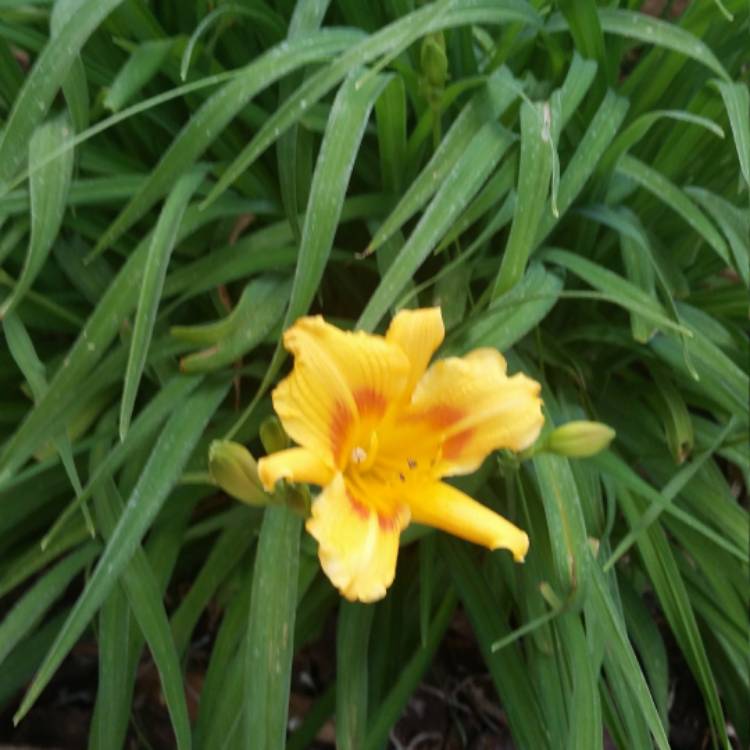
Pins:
<point x="362" y="459"/>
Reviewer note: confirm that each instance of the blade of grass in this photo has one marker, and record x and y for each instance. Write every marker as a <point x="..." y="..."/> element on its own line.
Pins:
<point x="607" y="617"/>
<point x="307" y="18"/>
<point x="74" y="86"/>
<point x="22" y="350"/>
<point x="619" y="290"/>
<point x="342" y="139"/>
<point x="735" y="224"/>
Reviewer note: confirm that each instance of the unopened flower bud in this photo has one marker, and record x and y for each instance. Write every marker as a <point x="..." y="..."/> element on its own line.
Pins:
<point x="272" y="435"/>
<point x="233" y="468"/>
<point x="433" y="60"/>
<point x="579" y="439"/>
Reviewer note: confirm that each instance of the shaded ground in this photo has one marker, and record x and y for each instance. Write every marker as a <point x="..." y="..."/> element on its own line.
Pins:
<point x="455" y="706"/>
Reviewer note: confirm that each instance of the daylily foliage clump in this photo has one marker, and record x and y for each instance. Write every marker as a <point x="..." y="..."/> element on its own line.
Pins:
<point x="181" y="182"/>
<point x="377" y="429"/>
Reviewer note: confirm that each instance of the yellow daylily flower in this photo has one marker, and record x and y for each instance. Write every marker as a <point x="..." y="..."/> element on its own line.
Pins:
<point x="377" y="430"/>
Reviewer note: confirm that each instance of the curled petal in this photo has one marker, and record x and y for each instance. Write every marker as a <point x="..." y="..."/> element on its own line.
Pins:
<point x="476" y="408"/>
<point x="296" y="465"/>
<point x="341" y="384"/>
<point x="419" y="333"/>
<point x="357" y="546"/>
<point x="449" y="509"/>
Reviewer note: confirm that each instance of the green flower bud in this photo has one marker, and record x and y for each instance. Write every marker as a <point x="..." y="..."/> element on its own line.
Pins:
<point x="433" y="60"/>
<point x="233" y="468"/>
<point x="272" y="435"/>
<point x="579" y="439"/>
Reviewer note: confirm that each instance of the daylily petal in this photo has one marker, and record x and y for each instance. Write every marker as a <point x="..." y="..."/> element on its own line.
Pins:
<point x="357" y="546"/>
<point x="476" y="408"/>
<point x="444" y="507"/>
<point x="296" y="465"/>
<point x="340" y="379"/>
<point x="419" y="333"/>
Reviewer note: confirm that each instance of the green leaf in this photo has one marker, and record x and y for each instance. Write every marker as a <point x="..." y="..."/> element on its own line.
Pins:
<point x="162" y="470"/>
<point x="226" y="552"/>
<point x="509" y="673"/>
<point x="619" y="651"/>
<point x="352" y="642"/>
<point x="577" y="82"/>
<point x="486" y="105"/>
<point x="145" y="598"/>
<point x="737" y="101"/>
<point x="458" y="188"/>
<point x="170" y="397"/>
<point x="565" y="522"/>
<point x="659" y="561"/>
<point x="95" y="338"/>
<point x="510" y="317"/>
<point x="294" y="148"/>
<point x="650" y="30"/>
<point x="389" y="42"/>
<point x="32" y="606"/>
<point x="224" y="653"/>
<point x="159" y="252"/>
<point x="44" y="81"/>
<point x="145" y="62"/>
<point x="75" y="85"/>
<point x="269" y="643"/>
<point x="392" y="707"/>
<point x="534" y="173"/>
<point x="391" y="114"/>
<point x="343" y="136"/>
<point x="617" y="289"/>
<point x="585" y="27"/>
<point x="258" y="311"/>
<point x="661" y="188"/>
<point x="22" y="350"/>
<point x="590" y="149"/>
<point x="638" y="129"/>
<point x="20" y="665"/>
<point x="734" y="222"/>
<point x="114" y="689"/>
<point x="206" y="123"/>
<point x="49" y="193"/>
<point x="346" y="125"/>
